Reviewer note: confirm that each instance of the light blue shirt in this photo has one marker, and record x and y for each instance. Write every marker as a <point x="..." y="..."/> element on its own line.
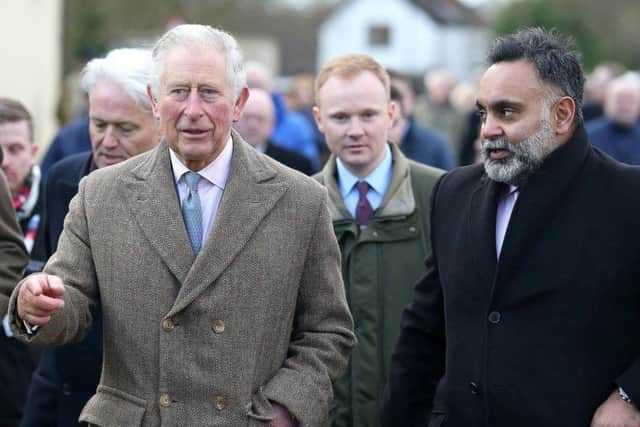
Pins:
<point x="378" y="180"/>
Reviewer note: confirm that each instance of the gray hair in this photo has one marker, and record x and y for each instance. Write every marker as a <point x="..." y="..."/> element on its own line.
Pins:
<point x="129" y="68"/>
<point x="192" y="34"/>
<point x="553" y="57"/>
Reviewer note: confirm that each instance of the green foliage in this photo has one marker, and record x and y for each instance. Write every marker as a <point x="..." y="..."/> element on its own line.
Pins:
<point x="601" y="30"/>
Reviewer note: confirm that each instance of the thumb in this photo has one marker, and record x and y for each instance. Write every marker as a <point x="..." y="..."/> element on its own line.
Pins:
<point x="55" y="287"/>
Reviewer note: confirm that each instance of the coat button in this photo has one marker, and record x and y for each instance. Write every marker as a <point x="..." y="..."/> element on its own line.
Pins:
<point x="220" y="403"/>
<point x="374" y="234"/>
<point x="494" y="317"/>
<point x="66" y="389"/>
<point x="217" y="326"/>
<point x="412" y="229"/>
<point x="474" y="388"/>
<point x="165" y="401"/>
<point x="168" y="325"/>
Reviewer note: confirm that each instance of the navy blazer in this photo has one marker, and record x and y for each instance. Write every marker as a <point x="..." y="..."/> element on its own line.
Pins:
<point x="66" y="376"/>
<point x="542" y="334"/>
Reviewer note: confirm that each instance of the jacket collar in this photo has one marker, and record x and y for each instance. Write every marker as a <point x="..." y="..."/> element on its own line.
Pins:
<point x="397" y="201"/>
<point x="252" y="190"/>
<point x="543" y="190"/>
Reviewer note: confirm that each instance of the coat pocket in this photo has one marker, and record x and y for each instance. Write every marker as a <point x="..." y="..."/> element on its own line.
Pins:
<point x="110" y="407"/>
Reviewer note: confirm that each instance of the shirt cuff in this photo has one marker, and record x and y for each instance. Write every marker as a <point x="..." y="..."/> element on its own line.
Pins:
<point x="31" y="329"/>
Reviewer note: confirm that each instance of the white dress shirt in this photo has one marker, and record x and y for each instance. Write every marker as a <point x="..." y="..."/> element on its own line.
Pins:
<point x="503" y="215"/>
<point x="210" y="187"/>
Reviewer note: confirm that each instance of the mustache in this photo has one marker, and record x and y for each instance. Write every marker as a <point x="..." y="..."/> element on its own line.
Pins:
<point x="497" y="144"/>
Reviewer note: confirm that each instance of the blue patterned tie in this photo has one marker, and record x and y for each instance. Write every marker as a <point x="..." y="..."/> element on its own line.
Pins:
<point x="192" y="212"/>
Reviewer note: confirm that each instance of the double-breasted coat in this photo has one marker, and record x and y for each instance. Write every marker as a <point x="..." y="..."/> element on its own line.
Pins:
<point x="258" y="316"/>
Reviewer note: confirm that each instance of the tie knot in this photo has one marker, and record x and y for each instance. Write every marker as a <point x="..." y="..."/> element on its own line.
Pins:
<point x="363" y="188"/>
<point x="192" y="178"/>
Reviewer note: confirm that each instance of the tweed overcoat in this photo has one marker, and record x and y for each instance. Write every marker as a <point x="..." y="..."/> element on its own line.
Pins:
<point x="260" y="315"/>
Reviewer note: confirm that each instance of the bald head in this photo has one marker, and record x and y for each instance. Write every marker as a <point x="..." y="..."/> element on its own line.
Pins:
<point x="258" y="75"/>
<point x="622" y="100"/>
<point x="258" y="118"/>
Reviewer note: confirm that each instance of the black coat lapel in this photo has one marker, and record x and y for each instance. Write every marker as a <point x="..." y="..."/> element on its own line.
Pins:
<point x="482" y="227"/>
<point x="540" y="199"/>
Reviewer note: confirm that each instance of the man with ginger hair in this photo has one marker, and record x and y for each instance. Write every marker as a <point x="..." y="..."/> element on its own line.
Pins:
<point x="379" y="202"/>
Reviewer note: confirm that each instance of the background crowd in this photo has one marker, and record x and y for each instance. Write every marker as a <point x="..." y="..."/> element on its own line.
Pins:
<point x="382" y="229"/>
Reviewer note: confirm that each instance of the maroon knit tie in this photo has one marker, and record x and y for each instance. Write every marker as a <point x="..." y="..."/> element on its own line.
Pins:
<point x="363" y="208"/>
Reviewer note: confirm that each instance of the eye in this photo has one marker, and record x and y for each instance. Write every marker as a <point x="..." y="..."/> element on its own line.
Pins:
<point x="340" y="117"/>
<point x="179" y="92"/>
<point x="126" y="128"/>
<point x="368" y="115"/>
<point x="99" y="125"/>
<point x="208" y="93"/>
<point x="482" y="115"/>
<point x="506" y="112"/>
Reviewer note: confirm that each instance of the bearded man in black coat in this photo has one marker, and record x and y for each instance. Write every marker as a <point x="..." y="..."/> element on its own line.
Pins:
<point x="526" y="315"/>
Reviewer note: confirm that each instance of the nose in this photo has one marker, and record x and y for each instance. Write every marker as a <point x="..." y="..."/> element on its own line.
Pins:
<point x="355" y="128"/>
<point x="490" y="128"/>
<point x="193" y="108"/>
<point x="110" y="139"/>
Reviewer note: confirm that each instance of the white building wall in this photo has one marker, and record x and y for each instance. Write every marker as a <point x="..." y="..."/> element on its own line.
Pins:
<point x="31" y="46"/>
<point x="417" y="42"/>
<point x="466" y="48"/>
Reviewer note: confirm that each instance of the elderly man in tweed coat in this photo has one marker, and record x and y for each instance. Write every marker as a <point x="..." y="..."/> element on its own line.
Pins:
<point x="232" y="316"/>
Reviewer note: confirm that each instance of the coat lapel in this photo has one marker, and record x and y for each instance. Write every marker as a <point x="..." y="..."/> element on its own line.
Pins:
<point x="482" y="227"/>
<point x="539" y="200"/>
<point x="150" y="193"/>
<point x="251" y="192"/>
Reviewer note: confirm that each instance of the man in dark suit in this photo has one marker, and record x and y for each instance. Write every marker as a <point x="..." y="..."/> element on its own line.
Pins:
<point x="121" y="126"/>
<point x="531" y="292"/>
<point x="255" y="126"/>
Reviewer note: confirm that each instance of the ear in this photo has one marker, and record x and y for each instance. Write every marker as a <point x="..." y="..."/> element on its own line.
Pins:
<point x="318" y="117"/>
<point x="34" y="150"/>
<point x="154" y="102"/>
<point x="392" y="112"/>
<point x="562" y="114"/>
<point x="239" y="104"/>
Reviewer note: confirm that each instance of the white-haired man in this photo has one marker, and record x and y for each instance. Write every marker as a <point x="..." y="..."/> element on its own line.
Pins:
<point x="204" y="322"/>
<point x="121" y="126"/>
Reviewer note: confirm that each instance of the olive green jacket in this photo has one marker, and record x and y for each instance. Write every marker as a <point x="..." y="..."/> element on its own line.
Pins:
<point x="380" y="264"/>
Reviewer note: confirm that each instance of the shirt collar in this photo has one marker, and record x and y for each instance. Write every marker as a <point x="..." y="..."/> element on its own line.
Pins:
<point x="215" y="172"/>
<point x="377" y="179"/>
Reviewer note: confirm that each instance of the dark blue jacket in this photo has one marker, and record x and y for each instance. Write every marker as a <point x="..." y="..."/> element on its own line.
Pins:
<point x="619" y="141"/>
<point x="71" y="139"/>
<point x="67" y="376"/>
<point x="427" y="147"/>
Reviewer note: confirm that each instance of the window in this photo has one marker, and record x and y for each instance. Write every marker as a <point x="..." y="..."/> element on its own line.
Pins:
<point x="379" y="35"/>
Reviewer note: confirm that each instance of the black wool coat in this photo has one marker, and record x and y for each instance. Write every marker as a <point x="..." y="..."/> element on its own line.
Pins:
<point x="542" y="335"/>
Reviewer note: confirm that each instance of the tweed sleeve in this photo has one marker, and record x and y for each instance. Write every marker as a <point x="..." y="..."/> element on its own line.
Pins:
<point x="73" y="263"/>
<point x="323" y="337"/>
